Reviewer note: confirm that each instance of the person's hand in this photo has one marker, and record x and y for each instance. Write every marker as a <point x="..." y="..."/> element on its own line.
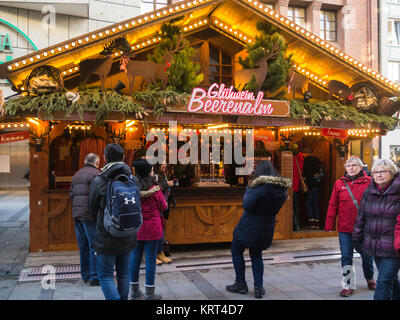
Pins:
<point x="171" y="183"/>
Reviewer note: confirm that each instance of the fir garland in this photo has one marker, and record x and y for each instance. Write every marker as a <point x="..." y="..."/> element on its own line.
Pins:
<point x="317" y="111"/>
<point x="92" y="99"/>
<point x="160" y="100"/>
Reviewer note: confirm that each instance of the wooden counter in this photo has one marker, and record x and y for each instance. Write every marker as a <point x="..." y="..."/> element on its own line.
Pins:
<point x="210" y="214"/>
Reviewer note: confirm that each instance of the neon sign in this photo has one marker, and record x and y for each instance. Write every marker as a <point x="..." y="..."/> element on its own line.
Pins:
<point x="221" y="100"/>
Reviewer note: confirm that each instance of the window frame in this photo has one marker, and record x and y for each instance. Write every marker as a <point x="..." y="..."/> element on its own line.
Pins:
<point x="393" y="36"/>
<point x="292" y="10"/>
<point x="220" y="65"/>
<point x="323" y="18"/>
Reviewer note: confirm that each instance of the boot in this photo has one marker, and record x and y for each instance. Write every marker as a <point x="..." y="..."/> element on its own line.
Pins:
<point x="149" y="293"/>
<point x="167" y="250"/>
<point x="238" y="288"/>
<point x="136" y="293"/>
<point x="259" y="292"/>
<point x="158" y="262"/>
<point x="161" y="256"/>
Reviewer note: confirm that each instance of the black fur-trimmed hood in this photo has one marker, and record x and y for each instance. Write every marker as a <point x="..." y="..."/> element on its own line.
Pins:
<point x="280" y="181"/>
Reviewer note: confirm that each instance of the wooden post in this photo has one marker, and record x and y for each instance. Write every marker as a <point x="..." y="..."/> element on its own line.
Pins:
<point x="284" y="225"/>
<point x="38" y="200"/>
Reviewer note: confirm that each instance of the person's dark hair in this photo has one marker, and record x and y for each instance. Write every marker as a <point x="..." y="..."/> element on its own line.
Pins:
<point x="145" y="183"/>
<point x="157" y="170"/>
<point x="114" y="152"/>
<point x="265" y="168"/>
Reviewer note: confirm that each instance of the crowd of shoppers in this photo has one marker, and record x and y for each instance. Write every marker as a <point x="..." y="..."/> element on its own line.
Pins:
<point x="364" y="210"/>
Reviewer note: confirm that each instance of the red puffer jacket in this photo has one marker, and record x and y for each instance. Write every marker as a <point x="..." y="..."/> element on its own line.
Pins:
<point x="152" y="203"/>
<point x="342" y="204"/>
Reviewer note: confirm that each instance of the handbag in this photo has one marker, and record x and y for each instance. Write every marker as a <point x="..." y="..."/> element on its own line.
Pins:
<point x="303" y="185"/>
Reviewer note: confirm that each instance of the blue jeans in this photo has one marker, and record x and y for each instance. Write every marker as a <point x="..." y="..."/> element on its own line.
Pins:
<point x="151" y="249"/>
<point x="105" y="267"/>
<point x="387" y="284"/>
<point x="161" y="244"/>
<point x="312" y="205"/>
<point x="347" y="249"/>
<point x="257" y="265"/>
<point x="85" y="231"/>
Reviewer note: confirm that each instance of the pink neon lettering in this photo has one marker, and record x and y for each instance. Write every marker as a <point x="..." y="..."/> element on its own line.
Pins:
<point x="207" y="105"/>
<point x="193" y="99"/>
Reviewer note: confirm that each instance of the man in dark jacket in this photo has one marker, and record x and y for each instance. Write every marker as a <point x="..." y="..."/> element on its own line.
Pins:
<point x="85" y="225"/>
<point x="110" y="251"/>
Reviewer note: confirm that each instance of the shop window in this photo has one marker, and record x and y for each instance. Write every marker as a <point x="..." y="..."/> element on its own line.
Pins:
<point x="328" y="25"/>
<point x="298" y="15"/>
<point x="393" y="32"/>
<point x="220" y="66"/>
<point x="394" y="71"/>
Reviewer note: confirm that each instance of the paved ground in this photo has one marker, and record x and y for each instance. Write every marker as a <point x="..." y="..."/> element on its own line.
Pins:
<point x="311" y="280"/>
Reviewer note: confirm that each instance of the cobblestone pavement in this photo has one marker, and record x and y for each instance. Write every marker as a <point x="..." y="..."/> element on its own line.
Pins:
<point x="316" y="279"/>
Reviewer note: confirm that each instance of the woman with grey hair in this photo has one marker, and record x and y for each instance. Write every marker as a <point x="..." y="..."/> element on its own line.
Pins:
<point x="343" y="206"/>
<point x="375" y="226"/>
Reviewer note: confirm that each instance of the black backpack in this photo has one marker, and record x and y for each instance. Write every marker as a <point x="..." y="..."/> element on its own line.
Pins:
<point x="122" y="214"/>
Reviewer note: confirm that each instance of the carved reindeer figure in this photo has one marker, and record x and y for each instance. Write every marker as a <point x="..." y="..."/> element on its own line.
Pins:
<point x="341" y="90"/>
<point x="298" y="83"/>
<point x="100" y="67"/>
<point x="150" y="70"/>
<point x="243" y="76"/>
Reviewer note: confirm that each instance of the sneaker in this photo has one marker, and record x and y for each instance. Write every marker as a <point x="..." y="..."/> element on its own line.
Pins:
<point x="371" y="284"/>
<point x="161" y="256"/>
<point x="346" y="293"/>
<point x="94" y="282"/>
<point x="238" y="288"/>
<point x="259" y="292"/>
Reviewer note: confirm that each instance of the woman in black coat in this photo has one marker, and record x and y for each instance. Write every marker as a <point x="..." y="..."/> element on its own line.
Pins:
<point x="255" y="230"/>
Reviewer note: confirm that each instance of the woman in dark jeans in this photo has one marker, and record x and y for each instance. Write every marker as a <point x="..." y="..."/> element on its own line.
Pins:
<point x="375" y="227"/>
<point x="255" y="230"/>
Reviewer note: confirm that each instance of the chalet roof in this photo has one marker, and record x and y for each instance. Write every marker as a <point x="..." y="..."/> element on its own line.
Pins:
<point x="319" y="60"/>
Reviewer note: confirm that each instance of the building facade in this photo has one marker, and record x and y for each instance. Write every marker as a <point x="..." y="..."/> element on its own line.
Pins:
<point x="350" y="25"/>
<point x="389" y="47"/>
<point x="27" y="26"/>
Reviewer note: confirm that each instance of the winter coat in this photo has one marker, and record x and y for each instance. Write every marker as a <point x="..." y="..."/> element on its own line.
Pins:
<point x="105" y="243"/>
<point x="79" y="193"/>
<point x="296" y="176"/>
<point x="397" y="235"/>
<point x="341" y="204"/>
<point x="153" y="203"/>
<point x="261" y="203"/>
<point x="375" y="224"/>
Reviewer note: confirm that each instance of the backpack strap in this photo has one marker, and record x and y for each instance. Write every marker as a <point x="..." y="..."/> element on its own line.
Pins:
<point x="352" y="196"/>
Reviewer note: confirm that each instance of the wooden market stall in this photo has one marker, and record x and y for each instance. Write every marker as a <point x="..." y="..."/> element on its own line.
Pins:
<point x="118" y="83"/>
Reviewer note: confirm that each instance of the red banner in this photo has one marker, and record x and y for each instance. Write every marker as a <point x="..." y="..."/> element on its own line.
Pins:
<point x="15" y="136"/>
<point x="335" y="133"/>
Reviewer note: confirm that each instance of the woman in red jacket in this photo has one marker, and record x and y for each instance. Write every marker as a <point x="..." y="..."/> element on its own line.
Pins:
<point x="345" y="207"/>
